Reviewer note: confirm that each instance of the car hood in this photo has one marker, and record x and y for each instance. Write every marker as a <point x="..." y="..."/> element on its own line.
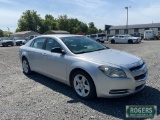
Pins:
<point x="19" y="40"/>
<point x="111" y="56"/>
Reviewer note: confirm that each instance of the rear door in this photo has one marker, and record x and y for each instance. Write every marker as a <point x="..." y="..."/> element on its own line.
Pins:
<point x="121" y="39"/>
<point x="35" y="54"/>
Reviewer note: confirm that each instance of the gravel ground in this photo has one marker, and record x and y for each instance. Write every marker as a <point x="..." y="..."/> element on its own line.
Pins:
<point x="39" y="97"/>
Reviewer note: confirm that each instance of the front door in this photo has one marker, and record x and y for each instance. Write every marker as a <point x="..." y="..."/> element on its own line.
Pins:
<point x="54" y="63"/>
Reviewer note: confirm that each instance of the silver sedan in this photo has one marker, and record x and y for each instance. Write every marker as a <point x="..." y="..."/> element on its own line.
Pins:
<point x="92" y="69"/>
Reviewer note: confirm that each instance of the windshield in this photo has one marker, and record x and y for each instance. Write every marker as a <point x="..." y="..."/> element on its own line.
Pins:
<point x="5" y="38"/>
<point x="18" y="38"/>
<point x="93" y="36"/>
<point x="82" y="44"/>
<point x="101" y="35"/>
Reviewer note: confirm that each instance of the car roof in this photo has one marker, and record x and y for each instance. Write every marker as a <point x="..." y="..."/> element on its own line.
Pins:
<point x="60" y="35"/>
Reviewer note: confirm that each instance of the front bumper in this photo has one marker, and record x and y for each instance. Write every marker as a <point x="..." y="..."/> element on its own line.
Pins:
<point x="118" y="87"/>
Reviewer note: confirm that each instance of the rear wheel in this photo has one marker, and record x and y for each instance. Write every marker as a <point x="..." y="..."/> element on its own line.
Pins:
<point x="130" y="41"/>
<point x="98" y="40"/>
<point x="26" y="67"/>
<point x="83" y="85"/>
<point x="112" y="41"/>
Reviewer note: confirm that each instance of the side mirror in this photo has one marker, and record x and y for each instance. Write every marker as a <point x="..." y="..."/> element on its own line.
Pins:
<point x="58" y="50"/>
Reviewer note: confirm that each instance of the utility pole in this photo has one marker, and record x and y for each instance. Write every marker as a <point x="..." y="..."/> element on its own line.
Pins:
<point x="8" y="32"/>
<point x="127" y="20"/>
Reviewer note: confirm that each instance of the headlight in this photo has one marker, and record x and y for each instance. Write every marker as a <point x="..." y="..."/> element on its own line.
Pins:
<point x="112" y="72"/>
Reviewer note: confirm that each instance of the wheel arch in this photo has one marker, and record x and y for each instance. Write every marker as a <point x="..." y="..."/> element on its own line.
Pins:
<point x="75" y="70"/>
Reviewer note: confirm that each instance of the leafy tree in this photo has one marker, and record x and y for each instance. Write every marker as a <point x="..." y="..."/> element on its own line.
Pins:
<point x="63" y="22"/>
<point x="92" y="29"/>
<point x="91" y="25"/>
<point x="29" y="20"/>
<point x="50" y="23"/>
<point x="100" y="31"/>
<point x="1" y="33"/>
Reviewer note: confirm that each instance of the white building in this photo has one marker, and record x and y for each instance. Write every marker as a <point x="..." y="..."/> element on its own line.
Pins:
<point x="132" y="29"/>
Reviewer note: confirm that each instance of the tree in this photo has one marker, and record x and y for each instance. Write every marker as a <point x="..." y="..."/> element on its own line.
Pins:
<point x="50" y="23"/>
<point x="1" y="33"/>
<point x="91" y="25"/>
<point x="92" y="29"/>
<point x="100" y="31"/>
<point x="29" y="20"/>
<point x="63" y="22"/>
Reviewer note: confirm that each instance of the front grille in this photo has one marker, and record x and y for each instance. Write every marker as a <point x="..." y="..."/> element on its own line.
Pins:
<point x="136" y="68"/>
<point x="140" y="77"/>
<point x="118" y="91"/>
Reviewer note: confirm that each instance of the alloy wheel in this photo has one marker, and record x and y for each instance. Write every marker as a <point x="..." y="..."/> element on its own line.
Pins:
<point x="25" y="66"/>
<point x="81" y="85"/>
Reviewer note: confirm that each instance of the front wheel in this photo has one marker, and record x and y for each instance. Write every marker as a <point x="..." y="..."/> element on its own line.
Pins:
<point x="4" y="45"/>
<point x="26" y="67"/>
<point x="17" y="44"/>
<point x="112" y="41"/>
<point x="83" y="85"/>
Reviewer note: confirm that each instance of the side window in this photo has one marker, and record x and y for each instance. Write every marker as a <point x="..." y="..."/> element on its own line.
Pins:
<point x="51" y="43"/>
<point x="38" y="43"/>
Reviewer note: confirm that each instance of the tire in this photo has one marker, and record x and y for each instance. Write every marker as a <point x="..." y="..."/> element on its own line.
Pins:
<point x="26" y="67"/>
<point x="12" y="44"/>
<point x="4" y="45"/>
<point x="102" y="41"/>
<point x="83" y="85"/>
<point x="130" y="41"/>
<point x="98" y="40"/>
<point x="112" y="41"/>
<point x="17" y="44"/>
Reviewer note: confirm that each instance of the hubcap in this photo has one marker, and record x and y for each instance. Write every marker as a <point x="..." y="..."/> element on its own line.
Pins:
<point x="81" y="85"/>
<point x="25" y="66"/>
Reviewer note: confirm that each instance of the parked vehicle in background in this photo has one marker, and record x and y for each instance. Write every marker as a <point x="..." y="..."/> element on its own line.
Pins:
<point x="138" y="37"/>
<point x="92" y="69"/>
<point x="88" y="36"/>
<point x="5" y="42"/>
<point x="157" y="37"/>
<point x="100" y="37"/>
<point x="149" y="35"/>
<point x="123" y="39"/>
<point x="18" y="41"/>
<point x="30" y="38"/>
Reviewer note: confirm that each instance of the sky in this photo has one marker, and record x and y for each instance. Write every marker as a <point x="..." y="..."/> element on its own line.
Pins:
<point x="101" y="12"/>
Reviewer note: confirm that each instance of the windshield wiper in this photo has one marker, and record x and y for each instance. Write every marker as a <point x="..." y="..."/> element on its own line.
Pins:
<point x="82" y="52"/>
<point x="99" y="49"/>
